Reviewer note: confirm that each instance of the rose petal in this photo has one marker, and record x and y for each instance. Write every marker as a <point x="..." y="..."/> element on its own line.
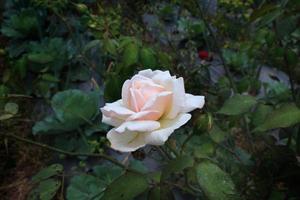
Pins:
<point x="139" y="99"/>
<point x="158" y="103"/>
<point x="133" y="103"/>
<point x="111" y="121"/>
<point x="162" y="77"/>
<point x="138" y="126"/>
<point x="126" y="92"/>
<point x="160" y="136"/>
<point x="147" y="73"/>
<point x="178" y="98"/>
<point x="127" y="141"/>
<point x="145" y="115"/>
<point x="116" y="110"/>
<point x="192" y="102"/>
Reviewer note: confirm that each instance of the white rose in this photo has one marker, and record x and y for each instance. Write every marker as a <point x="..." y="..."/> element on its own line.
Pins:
<point x="153" y="105"/>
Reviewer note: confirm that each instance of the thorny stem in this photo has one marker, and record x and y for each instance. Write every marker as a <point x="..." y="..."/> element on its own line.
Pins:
<point x="217" y="47"/>
<point x="68" y="153"/>
<point x="286" y="63"/>
<point x="226" y="68"/>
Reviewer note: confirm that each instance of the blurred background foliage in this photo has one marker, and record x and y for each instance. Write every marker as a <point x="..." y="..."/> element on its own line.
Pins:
<point x="60" y="60"/>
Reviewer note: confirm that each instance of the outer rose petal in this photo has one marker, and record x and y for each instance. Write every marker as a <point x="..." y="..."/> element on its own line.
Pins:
<point x="160" y="136"/>
<point x="138" y="126"/>
<point x="192" y="102"/>
<point x="127" y="141"/>
<point x="178" y="98"/>
<point x="116" y="110"/>
<point x="145" y="115"/>
<point x="147" y="73"/>
<point x="111" y="121"/>
<point x="125" y="92"/>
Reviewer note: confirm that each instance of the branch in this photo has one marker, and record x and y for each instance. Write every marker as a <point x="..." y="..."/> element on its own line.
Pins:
<point x="217" y="47"/>
<point x="42" y="145"/>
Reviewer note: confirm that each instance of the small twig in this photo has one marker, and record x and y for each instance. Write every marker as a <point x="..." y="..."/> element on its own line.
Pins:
<point x="186" y="141"/>
<point x="12" y="185"/>
<point x="42" y="145"/>
<point x="164" y="153"/>
<point x="62" y="186"/>
<point x="16" y="96"/>
<point x="185" y="189"/>
<point x="169" y="146"/>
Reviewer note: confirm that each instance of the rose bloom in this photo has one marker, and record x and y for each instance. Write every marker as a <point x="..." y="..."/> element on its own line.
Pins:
<point x="153" y="105"/>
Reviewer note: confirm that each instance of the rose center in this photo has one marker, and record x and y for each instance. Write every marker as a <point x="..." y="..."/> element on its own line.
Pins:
<point x="142" y="91"/>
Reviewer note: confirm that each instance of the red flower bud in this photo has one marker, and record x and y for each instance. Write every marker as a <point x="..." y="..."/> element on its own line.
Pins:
<point x="203" y="55"/>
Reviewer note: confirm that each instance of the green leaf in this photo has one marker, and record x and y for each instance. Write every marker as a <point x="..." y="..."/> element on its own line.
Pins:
<point x="238" y="104"/>
<point x="148" y="58"/>
<point x="50" y="78"/>
<point x="292" y="58"/>
<point x="126" y="187"/>
<point x="20" y="24"/>
<point x="80" y="73"/>
<point x="130" y="54"/>
<point x="205" y="150"/>
<point x="5" y="116"/>
<point x="47" y="172"/>
<point x="164" y="60"/>
<point x="177" y="165"/>
<point x="111" y="46"/>
<point x="85" y="187"/>
<point x="257" y="13"/>
<point x="286" y="25"/>
<point x="217" y="135"/>
<point x="269" y="17"/>
<point x="75" y="106"/>
<point x="69" y="142"/>
<point x="286" y="116"/>
<point x="11" y="108"/>
<point x="215" y="183"/>
<point x="40" y="58"/>
<point x="51" y="125"/>
<point x="113" y="86"/>
<point x="138" y="165"/>
<point x="154" y="193"/>
<point x="100" y="127"/>
<point x="92" y="44"/>
<point x="46" y="190"/>
<point x="107" y="173"/>
<point x="260" y="114"/>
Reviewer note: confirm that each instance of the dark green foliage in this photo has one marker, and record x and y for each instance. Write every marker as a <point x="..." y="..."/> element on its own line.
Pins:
<point x="72" y="55"/>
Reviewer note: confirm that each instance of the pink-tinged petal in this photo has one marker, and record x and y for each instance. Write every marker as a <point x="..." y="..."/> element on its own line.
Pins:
<point x="159" y="102"/>
<point x="126" y="93"/>
<point x="125" y="142"/>
<point x="140" y="98"/>
<point x="138" y="126"/>
<point x="133" y="101"/>
<point x="116" y="110"/>
<point x="111" y="121"/>
<point x="178" y="98"/>
<point x="151" y="90"/>
<point x="160" y="136"/>
<point x="193" y="102"/>
<point x="145" y="115"/>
